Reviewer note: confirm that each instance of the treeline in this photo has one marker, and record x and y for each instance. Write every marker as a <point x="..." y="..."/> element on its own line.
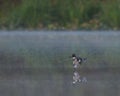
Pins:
<point x="60" y="14"/>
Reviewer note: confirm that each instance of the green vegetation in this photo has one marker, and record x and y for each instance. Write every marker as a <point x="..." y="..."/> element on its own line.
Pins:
<point x="60" y="14"/>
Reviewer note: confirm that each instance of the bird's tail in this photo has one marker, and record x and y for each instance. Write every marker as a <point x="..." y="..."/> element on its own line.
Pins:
<point x="84" y="59"/>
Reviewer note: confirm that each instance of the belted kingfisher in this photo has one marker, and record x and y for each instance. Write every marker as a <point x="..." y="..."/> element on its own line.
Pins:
<point x="77" y="61"/>
<point x="76" y="64"/>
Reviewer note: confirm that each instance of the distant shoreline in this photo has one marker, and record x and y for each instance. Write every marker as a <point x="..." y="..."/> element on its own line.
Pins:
<point x="60" y="15"/>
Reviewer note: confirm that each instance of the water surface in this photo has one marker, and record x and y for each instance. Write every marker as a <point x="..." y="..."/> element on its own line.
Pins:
<point x="38" y="64"/>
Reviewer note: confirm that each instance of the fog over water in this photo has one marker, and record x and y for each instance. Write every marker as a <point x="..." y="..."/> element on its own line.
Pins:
<point x="37" y="63"/>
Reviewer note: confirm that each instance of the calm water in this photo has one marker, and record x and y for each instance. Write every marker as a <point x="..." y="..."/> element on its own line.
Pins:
<point x="38" y="63"/>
